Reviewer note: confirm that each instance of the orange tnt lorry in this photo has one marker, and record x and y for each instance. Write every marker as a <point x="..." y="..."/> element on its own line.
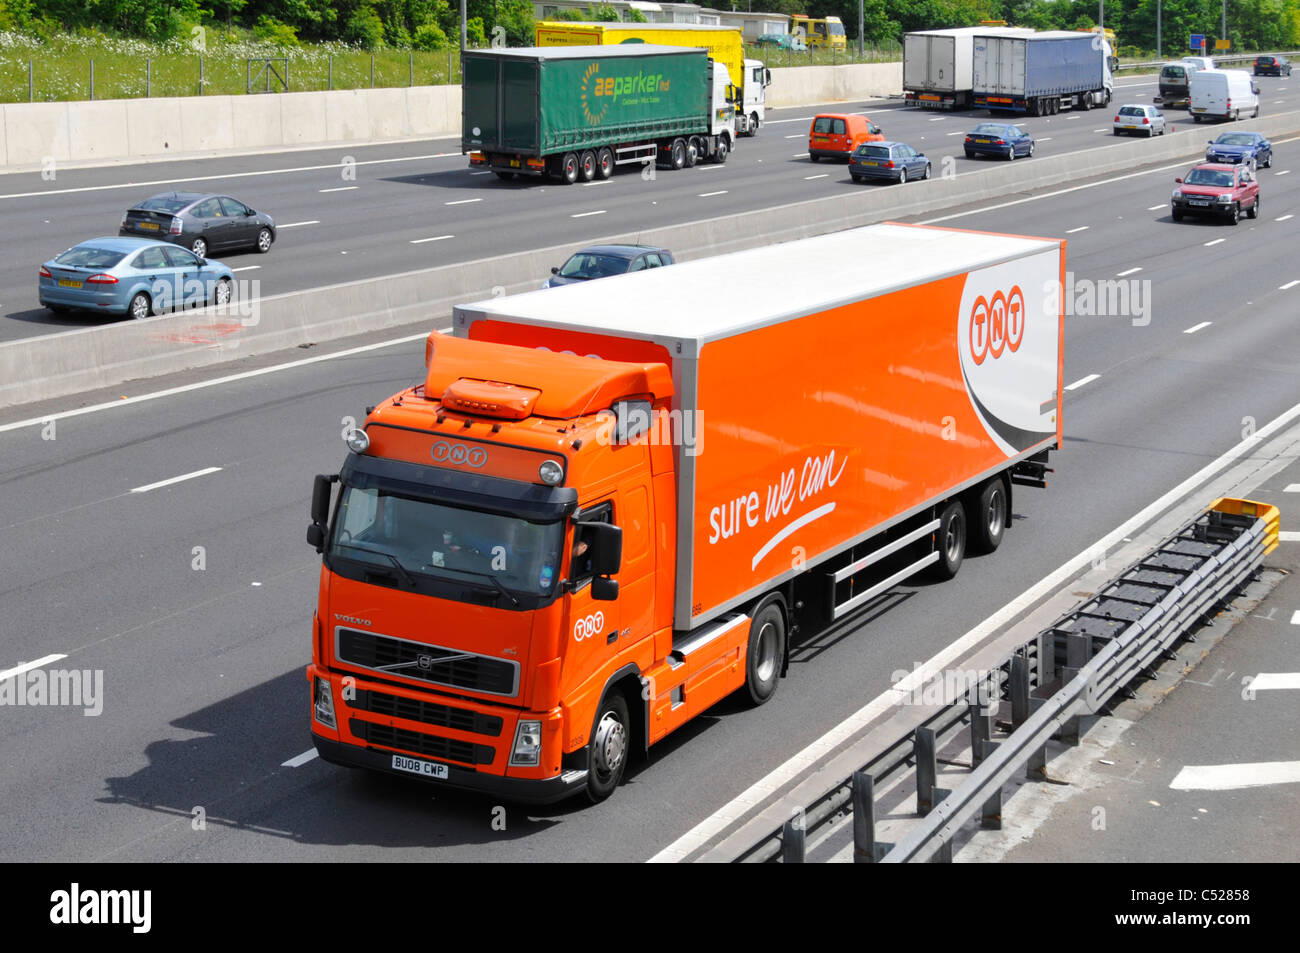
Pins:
<point x="607" y="507"/>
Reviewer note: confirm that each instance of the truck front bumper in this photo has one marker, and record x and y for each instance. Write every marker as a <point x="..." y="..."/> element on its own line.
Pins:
<point x="520" y="790"/>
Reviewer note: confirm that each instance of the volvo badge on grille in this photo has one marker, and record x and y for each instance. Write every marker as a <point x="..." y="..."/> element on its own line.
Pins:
<point x="425" y="662"/>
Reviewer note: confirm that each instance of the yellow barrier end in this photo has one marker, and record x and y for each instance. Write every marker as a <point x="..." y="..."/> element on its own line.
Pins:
<point x="1268" y="513"/>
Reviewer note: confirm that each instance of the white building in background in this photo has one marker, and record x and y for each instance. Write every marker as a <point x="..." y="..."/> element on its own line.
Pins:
<point x="751" y="25"/>
<point x="654" y="12"/>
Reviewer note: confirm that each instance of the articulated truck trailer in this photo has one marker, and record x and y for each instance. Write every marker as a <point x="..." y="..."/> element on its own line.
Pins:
<point x="937" y="65"/>
<point x="606" y="508"/>
<point x="1041" y="73"/>
<point x="577" y="112"/>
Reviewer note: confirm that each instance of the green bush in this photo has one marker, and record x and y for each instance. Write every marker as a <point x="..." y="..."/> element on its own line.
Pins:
<point x="474" y="34"/>
<point x="273" y="31"/>
<point x="365" y="29"/>
<point x="430" y="37"/>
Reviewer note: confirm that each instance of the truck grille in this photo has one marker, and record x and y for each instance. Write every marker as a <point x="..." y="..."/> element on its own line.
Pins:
<point x="429" y="713"/>
<point x="431" y="746"/>
<point x="429" y="663"/>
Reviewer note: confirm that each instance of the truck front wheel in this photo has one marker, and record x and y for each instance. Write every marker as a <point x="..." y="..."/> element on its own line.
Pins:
<point x="950" y="540"/>
<point x="720" y="151"/>
<point x="608" y="749"/>
<point x="765" y="654"/>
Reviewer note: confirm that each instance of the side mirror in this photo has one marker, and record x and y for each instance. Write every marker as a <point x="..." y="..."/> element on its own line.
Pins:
<point x="250" y="211"/>
<point x="1179" y="181"/>
<point x="604" y="589"/>
<point x="767" y="77"/>
<point x="320" y="499"/>
<point x="606" y="542"/>
<point x="316" y="537"/>
<point x="555" y="270"/>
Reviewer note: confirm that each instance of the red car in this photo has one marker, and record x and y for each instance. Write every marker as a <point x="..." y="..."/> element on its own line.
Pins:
<point x="1215" y="189"/>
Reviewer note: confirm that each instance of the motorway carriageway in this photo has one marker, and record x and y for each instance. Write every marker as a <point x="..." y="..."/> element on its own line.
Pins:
<point x="400" y="207"/>
<point x="194" y="596"/>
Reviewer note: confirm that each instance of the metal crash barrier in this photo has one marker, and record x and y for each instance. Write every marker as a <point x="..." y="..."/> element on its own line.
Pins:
<point x="1083" y="659"/>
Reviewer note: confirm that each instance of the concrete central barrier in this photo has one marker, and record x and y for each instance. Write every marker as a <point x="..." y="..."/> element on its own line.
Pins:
<point x="69" y="362"/>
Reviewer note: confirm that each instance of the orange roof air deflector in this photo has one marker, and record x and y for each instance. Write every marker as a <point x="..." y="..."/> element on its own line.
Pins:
<point x="567" y="386"/>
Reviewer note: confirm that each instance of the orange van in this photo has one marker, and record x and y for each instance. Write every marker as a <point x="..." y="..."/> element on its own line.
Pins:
<point x="836" y="135"/>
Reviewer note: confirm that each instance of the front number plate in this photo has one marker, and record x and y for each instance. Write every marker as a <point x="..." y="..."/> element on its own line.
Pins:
<point x="1198" y="202"/>
<point x="426" y="769"/>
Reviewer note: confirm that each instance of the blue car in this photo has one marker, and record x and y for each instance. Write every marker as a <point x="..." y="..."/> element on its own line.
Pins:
<point x="134" y="276"/>
<point x="1234" y="147"/>
<point x="998" y="139"/>
<point x="894" y="161"/>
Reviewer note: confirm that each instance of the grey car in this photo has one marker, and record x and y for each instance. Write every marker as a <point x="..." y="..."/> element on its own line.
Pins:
<point x="202" y="222"/>
<point x="602" y="261"/>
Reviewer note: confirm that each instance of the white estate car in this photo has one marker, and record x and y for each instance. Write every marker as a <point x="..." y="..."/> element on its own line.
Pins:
<point x="1139" y="120"/>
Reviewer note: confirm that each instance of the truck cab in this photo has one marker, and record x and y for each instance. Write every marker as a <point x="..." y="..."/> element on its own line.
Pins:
<point x="751" y="112"/>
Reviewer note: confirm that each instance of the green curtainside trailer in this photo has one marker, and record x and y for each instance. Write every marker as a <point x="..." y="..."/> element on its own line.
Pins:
<point x="577" y="112"/>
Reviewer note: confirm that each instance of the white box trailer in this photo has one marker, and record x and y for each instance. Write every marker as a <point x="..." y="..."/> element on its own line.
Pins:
<point x="937" y="65"/>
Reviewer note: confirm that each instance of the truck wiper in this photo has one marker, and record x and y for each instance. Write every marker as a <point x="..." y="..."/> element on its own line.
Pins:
<point x="481" y="575"/>
<point x="410" y="580"/>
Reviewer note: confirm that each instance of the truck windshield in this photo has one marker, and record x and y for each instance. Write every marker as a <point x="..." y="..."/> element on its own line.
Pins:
<point x="421" y="538"/>
<point x="837" y="29"/>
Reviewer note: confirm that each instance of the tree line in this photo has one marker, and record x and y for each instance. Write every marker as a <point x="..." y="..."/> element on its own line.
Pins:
<point x="435" y="24"/>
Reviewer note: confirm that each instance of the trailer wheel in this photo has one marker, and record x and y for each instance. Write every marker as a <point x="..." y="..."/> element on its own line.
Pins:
<point x="679" y="154"/>
<point x="605" y="162"/>
<point x="765" y="653"/>
<point x="950" y="540"/>
<point x="990" y="513"/>
<point x="720" y="150"/>
<point x="569" y="168"/>
<point x="587" y="165"/>
<point x="608" y="749"/>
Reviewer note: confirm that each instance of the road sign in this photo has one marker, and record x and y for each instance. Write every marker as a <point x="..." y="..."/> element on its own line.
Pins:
<point x="1198" y="41"/>
<point x="1223" y="44"/>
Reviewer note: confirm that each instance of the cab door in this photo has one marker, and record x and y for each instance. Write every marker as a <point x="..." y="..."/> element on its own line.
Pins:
<point x="592" y="631"/>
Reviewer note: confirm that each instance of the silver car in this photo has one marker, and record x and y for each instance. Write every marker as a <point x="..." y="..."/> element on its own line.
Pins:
<point x="1137" y="120"/>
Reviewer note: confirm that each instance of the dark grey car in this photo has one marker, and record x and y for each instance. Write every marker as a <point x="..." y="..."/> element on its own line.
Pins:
<point x="204" y="223"/>
<point x="602" y="261"/>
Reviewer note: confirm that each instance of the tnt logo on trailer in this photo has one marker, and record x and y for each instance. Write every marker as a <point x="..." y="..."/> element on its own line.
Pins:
<point x="997" y="325"/>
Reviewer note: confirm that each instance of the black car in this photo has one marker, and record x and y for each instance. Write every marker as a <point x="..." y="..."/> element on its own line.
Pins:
<point x="201" y="222"/>
<point x="1272" y="66"/>
<point x="602" y="261"/>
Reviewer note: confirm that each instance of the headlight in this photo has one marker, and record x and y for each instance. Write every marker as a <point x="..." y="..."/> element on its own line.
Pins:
<point x="1177" y="194"/>
<point x="1223" y="198"/>
<point x="528" y="743"/>
<point x="551" y="472"/>
<point x="358" y="441"/>
<point x="323" y="704"/>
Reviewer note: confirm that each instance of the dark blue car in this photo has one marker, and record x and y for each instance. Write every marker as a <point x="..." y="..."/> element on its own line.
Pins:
<point x="1234" y="147"/>
<point x="998" y="139"/>
<point x="894" y="161"/>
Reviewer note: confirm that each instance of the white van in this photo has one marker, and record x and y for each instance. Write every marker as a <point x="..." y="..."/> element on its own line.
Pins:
<point x="1222" y="94"/>
<point x="1200" y="62"/>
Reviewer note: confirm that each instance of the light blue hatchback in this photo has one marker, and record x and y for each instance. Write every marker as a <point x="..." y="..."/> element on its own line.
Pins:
<point x="134" y="276"/>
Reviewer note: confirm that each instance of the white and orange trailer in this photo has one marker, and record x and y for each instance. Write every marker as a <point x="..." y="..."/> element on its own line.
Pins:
<point x="611" y="504"/>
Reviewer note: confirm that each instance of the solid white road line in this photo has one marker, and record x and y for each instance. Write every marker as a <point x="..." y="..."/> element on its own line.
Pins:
<point x="1230" y="777"/>
<point x="435" y="238"/>
<point x="1131" y="271"/>
<point x="462" y="202"/>
<point x="1275" y="681"/>
<point x="1196" y="327"/>
<point x="1214" y="242"/>
<point x="314" y="221"/>
<point x="800" y="763"/>
<point x="300" y="760"/>
<point x="1081" y="381"/>
<point x="777" y="122"/>
<point x="1081" y="228"/>
<point x="341" y="188"/>
<point x="809" y="178"/>
<point x="585" y="214"/>
<point x="214" y="382"/>
<point x="28" y="666"/>
<point x="177" y="479"/>
<point x="228" y="175"/>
